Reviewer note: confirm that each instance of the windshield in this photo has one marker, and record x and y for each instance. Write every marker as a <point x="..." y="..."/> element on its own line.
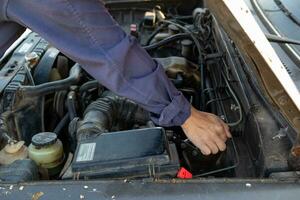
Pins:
<point x="281" y="18"/>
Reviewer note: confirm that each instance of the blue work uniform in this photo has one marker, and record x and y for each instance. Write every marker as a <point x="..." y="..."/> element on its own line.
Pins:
<point x="86" y="32"/>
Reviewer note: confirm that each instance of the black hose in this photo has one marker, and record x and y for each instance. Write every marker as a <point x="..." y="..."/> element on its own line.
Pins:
<point x="88" y="86"/>
<point x="54" y="86"/>
<point x="71" y="105"/>
<point x="62" y="124"/>
<point x="167" y="41"/>
<point x="161" y="27"/>
<point x="192" y="35"/>
<point x="200" y="57"/>
<point x="110" y="112"/>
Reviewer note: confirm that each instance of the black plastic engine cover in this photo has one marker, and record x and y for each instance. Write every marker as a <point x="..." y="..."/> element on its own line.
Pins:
<point x="134" y="153"/>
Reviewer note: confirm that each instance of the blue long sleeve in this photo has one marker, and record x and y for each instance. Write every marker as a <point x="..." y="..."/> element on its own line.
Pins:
<point x="85" y="31"/>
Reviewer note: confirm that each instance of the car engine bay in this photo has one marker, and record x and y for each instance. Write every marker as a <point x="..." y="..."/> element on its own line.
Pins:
<point x="58" y="123"/>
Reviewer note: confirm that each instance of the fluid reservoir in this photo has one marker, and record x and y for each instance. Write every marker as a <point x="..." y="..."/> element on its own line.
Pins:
<point x="13" y="151"/>
<point x="47" y="152"/>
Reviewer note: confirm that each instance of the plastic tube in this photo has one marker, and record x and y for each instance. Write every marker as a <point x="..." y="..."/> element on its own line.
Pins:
<point x="54" y="86"/>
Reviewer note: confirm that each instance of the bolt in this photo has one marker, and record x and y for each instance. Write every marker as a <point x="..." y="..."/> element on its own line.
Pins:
<point x="32" y="58"/>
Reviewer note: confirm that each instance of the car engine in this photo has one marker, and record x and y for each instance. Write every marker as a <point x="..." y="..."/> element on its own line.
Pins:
<point x="58" y="123"/>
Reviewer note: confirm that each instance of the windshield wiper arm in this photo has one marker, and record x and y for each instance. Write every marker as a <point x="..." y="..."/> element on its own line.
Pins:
<point x="279" y="39"/>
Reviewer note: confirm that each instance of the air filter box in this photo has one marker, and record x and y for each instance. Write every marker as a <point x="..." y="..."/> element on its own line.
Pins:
<point x="126" y="154"/>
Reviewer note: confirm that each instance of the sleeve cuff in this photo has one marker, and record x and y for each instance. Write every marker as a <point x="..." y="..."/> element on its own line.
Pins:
<point x="174" y="114"/>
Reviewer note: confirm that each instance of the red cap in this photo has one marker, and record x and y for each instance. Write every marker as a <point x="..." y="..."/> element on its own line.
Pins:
<point x="184" y="174"/>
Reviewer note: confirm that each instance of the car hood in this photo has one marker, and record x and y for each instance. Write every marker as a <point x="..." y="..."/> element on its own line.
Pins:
<point x="238" y="21"/>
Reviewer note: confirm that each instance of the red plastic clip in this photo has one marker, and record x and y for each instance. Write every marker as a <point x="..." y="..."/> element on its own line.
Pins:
<point x="184" y="174"/>
<point x="133" y="28"/>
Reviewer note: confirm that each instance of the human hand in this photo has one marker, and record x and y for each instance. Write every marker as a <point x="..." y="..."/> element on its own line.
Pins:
<point x="206" y="131"/>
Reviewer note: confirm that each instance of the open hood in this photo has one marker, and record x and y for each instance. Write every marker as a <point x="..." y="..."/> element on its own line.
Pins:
<point x="107" y="146"/>
<point x="239" y="23"/>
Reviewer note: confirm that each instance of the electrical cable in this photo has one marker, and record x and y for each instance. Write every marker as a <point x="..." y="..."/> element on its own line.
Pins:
<point x="160" y="28"/>
<point x="233" y="124"/>
<point x="196" y="41"/>
<point x="200" y="58"/>
<point x="167" y="41"/>
<point x="218" y="99"/>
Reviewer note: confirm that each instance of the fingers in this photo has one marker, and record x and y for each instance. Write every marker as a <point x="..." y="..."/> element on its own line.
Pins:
<point x="206" y="131"/>
<point x="220" y="132"/>
<point x="216" y="142"/>
<point x="226" y="129"/>
<point x="205" y="150"/>
<point x="228" y="134"/>
<point x="209" y="141"/>
<point x="212" y="146"/>
<point x="202" y="144"/>
<point x="220" y="144"/>
<point x="221" y="135"/>
<point x="199" y="142"/>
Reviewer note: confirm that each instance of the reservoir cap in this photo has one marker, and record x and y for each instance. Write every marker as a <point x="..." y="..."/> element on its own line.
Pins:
<point x="44" y="139"/>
